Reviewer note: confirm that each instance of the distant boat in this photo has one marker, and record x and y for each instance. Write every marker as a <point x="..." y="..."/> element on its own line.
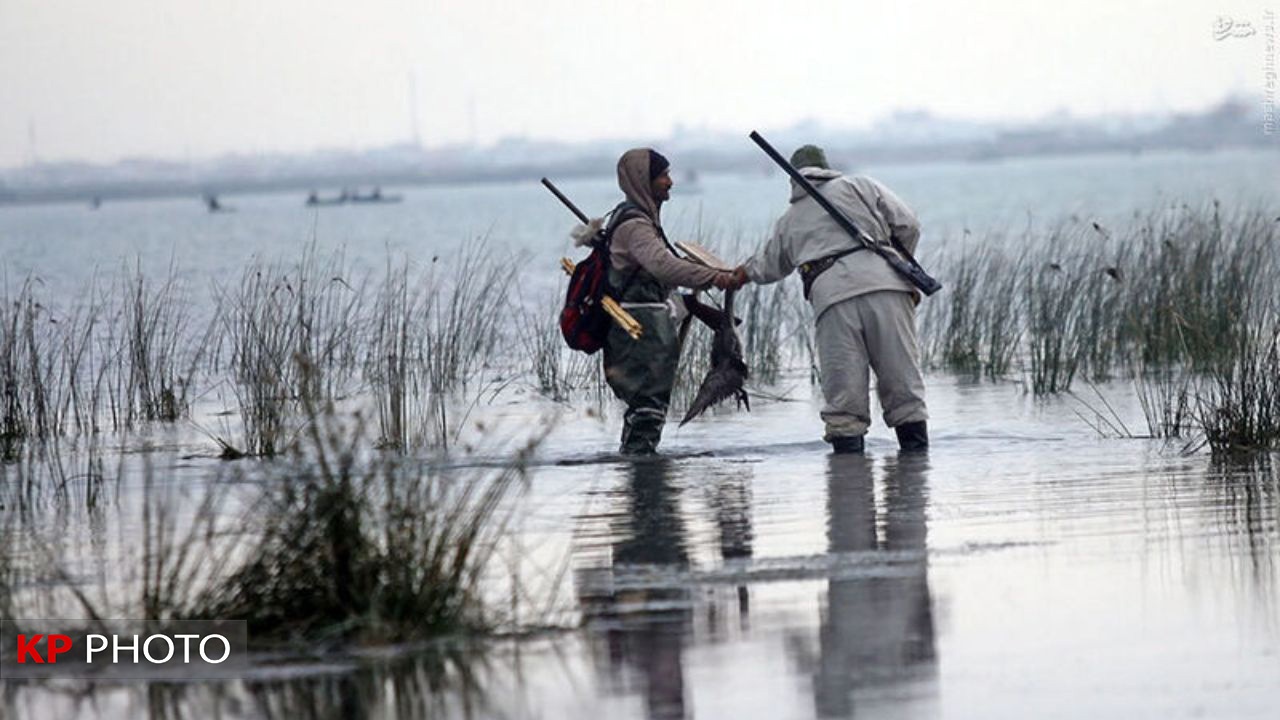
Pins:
<point x="314" y="200"/>
<point x="211" y="202"/>
<point x="375" y="197"/>
<point x="352" y="196"/>
<point x="95" y="202"/>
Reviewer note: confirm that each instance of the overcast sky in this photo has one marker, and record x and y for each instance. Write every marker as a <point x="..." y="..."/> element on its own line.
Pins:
<point x="105" y="79"/>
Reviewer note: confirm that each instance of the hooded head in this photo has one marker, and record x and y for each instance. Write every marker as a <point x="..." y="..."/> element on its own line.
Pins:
<point x="809" y="156"/>
<point x="643" y="178"/>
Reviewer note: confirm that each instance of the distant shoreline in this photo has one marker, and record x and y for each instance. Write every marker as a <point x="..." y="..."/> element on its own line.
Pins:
<point x="579" y="168"/>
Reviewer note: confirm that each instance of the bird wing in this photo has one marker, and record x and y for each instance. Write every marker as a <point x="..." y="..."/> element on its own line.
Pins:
<point x="722" y="382"/>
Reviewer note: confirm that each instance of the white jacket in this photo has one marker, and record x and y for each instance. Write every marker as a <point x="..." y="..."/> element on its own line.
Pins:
<point x="806" y="233"/>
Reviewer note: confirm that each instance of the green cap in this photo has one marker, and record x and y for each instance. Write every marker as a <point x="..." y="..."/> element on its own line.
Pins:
<point x="809" y="156"/>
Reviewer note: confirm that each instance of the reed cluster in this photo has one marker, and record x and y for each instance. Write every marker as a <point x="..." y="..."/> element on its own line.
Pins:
<point x="342" y="543"/>
<point x="1181" y="300"/>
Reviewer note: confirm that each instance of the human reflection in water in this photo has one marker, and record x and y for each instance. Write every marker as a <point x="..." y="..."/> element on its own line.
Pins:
<point x="731" y="502"/>
<point x="876" y="629"/>
<point x="639" y="603"/>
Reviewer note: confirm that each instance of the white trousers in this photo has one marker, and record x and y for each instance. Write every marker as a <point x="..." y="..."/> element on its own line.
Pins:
<point x="875" y="331"/>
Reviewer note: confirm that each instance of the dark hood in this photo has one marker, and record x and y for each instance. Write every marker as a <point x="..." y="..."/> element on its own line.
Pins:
<point x="633" y="180"/>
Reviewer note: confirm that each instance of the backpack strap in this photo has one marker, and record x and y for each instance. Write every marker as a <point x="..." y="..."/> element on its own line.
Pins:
<point x="622" y="212"/>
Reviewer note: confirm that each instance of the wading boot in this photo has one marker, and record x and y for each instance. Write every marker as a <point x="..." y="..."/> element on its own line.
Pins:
<point x="913" y="436"/>
<point x="846" y="445"/>
<point x="641" y="431"/>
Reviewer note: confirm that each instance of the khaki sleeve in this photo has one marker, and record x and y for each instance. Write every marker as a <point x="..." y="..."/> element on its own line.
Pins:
<point x="772" y="262"/>
<point x="901" y="220"/>
<point x="642" y="245"/>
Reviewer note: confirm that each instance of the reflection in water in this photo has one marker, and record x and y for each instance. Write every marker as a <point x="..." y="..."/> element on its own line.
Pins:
<point x="436" y="683"/>
<point x="423" y="685"/>
<point x="644" y="624"/>
<point x="639" y="600"/>
<point x="1245" y="494"/>
<point x="655" y="638"/>
<point x="731" y="502"/>
<point x="875" y="630"/>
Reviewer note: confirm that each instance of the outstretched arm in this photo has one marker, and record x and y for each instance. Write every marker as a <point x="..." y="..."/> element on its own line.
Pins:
<point x="771" y="263"/>
<point x="640" y="243"/>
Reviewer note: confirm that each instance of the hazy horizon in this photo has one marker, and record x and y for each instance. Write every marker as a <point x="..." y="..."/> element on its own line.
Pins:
<point x="95" y="83"/>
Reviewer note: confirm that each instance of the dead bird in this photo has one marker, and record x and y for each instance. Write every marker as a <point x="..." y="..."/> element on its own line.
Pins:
<point x="728" y="370"/>
<point x="709" y="315"/>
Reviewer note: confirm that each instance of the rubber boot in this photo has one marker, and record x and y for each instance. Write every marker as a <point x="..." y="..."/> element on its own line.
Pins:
<point x="641" y="431"/>
<point x="913" y="436"/>
<point x="846" y="445"/>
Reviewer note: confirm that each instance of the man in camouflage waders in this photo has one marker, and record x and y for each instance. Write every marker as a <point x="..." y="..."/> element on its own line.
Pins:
<point x="645" y="271"/>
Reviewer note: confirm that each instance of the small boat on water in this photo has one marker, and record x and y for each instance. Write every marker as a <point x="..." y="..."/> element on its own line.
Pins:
<point x="375" y="197"/>
<point x="215" y="206"/>
<point x="352" y="196"/>
<point x="314" y="199"/>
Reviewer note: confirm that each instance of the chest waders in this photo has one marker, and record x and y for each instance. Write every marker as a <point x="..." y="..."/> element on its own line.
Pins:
<point x="642" y="372"/>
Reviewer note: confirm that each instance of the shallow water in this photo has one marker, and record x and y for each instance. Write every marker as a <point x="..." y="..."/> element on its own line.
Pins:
<point x="1024" y="567"/>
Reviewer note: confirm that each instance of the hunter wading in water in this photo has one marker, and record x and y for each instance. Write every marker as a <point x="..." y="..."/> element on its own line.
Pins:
<point x="644" y="272"/>
<point x="865" y="310"/>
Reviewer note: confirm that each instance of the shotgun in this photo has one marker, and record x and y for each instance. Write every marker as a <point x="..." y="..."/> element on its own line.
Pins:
<point x="909" y="269"/>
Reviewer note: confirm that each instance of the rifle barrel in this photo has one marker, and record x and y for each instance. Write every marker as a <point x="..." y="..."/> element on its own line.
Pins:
<point x="567" y="202"/>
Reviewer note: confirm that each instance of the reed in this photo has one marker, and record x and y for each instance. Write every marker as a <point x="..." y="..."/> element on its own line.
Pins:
<point x="294" y="333"/>
<point x="1167" y="397"/>
<point x="466" y="321"/>
<point x="433" y="335"/>
<point x="765" y="323"/>
<point x="256" y="318"/>
<point x="395" y="354"/>
<point x="1167" y="290"/>
<point x="556" y="371"/>
<point x="338" y="543"/>
<point x="1053" y="295"/>
<point x="1239" y="408"/>
<point x="345" y="544"/>
<point x="161" y="356"/>
<point x="328" y="313"/>
<point x="42" y="368"/>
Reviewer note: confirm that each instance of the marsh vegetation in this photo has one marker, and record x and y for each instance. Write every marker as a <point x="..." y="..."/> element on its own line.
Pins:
<point x="1182" y="301"/>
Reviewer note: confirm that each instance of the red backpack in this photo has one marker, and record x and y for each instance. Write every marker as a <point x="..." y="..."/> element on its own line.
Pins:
<point x="583" y="320"/>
